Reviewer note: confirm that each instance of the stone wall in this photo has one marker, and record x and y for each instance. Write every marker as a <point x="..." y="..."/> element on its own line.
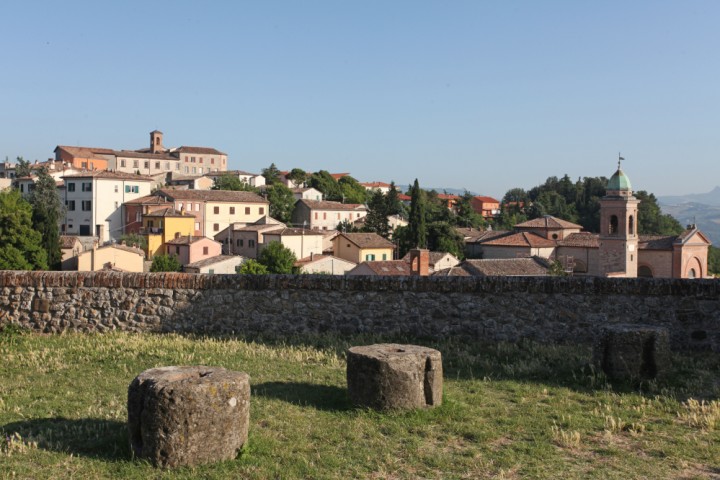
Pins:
<point x="549" y="309"/>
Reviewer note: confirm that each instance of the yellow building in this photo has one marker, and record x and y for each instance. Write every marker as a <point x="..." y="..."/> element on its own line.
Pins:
<point x="112" y="257"/>
<point x="362" y="247"/>
<point x="163" y="225"/>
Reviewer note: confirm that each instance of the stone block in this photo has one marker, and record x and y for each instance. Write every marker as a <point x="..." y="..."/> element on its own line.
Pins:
<point x="392" y="376"/>
<point x="632" y="352"/>
<point x="188" y="415"/>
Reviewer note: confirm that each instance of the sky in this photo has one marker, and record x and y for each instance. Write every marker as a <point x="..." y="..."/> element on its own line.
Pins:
<point x="479" y="95"/>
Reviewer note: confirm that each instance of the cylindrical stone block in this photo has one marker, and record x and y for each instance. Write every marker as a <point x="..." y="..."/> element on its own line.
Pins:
<point x="188" y="415"/>
<point x="391" y="376"/>
<point x="632" y="352"/>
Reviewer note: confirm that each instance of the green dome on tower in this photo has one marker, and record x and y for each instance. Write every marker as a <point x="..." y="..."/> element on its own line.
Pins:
<point x="619" y="182"/>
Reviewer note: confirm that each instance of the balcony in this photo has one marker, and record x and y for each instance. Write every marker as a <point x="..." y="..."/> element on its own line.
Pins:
<point x="151" y="230"/>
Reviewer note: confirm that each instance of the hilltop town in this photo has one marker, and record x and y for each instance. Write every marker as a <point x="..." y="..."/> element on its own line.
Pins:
<point x="162" y="208"/>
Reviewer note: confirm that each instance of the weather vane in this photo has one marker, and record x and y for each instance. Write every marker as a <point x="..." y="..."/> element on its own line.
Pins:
<point x="620" y="158"/>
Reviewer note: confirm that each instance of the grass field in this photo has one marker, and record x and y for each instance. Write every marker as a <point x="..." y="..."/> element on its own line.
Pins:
<point x="509" y="411"/>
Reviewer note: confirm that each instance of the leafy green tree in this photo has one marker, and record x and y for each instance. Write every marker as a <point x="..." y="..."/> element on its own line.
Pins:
<point x="714" y="260"/>
<point x="651" y="220"/>
<point x="134" y="239"/>
<point x="325" y="183"/>
<point x="351" y="191"/>
<point x="165" y="263"/>
<point x="252" y="267"/>
<point x="282" y="202"/>
<point x="271" y="174"/>
<point x="277" y="258"/>
<point x="232" y="182"/>
<point x="394" y="205"/>
<point x="556" y="269"/>
<point x="298" y="176"/>
<point x="21" y="246"/>
<point x="466" y="216"/>
<point x="22" y="168"/>
<point x="442" y="237"/>
<point x="417" y="231"/>
<point x="346" y="226"/>
<point x="377" y="217"/>
<point x="47" y="211"/>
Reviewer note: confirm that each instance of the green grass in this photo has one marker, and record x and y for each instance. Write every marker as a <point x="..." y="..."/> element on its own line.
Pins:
<point x="509" y="411"/>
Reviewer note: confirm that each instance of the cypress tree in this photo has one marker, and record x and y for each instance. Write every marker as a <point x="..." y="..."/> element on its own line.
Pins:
<point x="418" y="229"/>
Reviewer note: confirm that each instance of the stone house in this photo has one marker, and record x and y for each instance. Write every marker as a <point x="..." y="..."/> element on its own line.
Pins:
<point x="360" y="247"/>
<point x="325" y="215"/>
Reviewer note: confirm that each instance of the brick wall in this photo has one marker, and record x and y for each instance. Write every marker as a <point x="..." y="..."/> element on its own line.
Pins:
<point x="550" y="309"/>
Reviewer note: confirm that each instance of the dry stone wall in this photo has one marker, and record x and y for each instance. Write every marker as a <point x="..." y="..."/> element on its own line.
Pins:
<point x="551" y="309"/>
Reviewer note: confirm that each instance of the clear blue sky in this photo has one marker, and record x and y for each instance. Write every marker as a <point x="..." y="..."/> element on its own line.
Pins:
<point x="479" y="95"/>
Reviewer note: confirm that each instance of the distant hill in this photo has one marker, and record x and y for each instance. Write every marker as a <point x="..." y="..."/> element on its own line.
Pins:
<point x="706" y="217"/>
<point x="450" y="191"/>
<point x="711" y="198"/>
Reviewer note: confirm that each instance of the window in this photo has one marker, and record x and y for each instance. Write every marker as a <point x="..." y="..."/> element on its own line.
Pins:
<point x="86" y="205"/>
<point x="186" y="158"/>
<point x="87" y="187"/>
<point x="232" y="210"/>
<point x="22" y="187"/>
<point x="132" y="189"/>
<point x="192" y="159"/>
<point x="201" y="160"/>
<point x="167" y="165"/>
<point x="251" y="243"/>
<point x="211" y="271"/>
<point x="631" y="225"/>
<point x="247" y="210"/>
<point x="197" y="207"/>
<point x="324" y="215"/>
<point x="212" y="160"/>
<point x="177" y="166"/>
<point x="205" y="250"/>
<point x="71" y="205"/>
<point x="84" y="165"/>
<point x="239" y="242"/>
<point x="338" y="216"/>
<point x="187" y="169"/>
<point x="135" y="164"/>
<point x="262" y="210"/>
<point x="216" y="210"/>
<point x="369" y="257"/>
<point x="384" y="256"/>
<point x="194" y="169"/>
<point x="201" y="170"/>
<point x="197" y="226"/>
<point x="147" y="164"/>
<point x="177" y="250"/>
<point x="122" y="163"/>
<point x="316" y="215"/>
<point x="613" y="229"/>
<point x="157" y="165"/>
<point x="116" y="189"/>
<point x="216" y="227"/>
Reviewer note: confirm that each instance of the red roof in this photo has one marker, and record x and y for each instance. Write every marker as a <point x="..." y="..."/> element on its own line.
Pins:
<point x="521" y="239"/>
<point x="486" y="199"/>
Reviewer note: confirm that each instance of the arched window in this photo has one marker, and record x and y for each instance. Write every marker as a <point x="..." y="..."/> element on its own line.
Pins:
<point x="691" y="273"/>
<point x="613" y="225"/>
<point x="644" y="271"/>
<point x="631" y="225"/>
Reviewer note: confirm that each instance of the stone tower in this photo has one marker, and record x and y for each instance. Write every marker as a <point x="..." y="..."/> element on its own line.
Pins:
<point x="618" y="228"/>
<point x="156" y="145"/>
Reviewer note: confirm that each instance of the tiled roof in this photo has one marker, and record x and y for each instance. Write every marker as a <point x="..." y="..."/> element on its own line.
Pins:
<point x="205" y="150"/>
<point x="368" y="240"/>
<point x="447" y="196"/>
<point x="109" y="175"/>
<point x="210" y="261"/>
<point x="68" y="241"/>
<point x="169" y="212"/>
<point x="314" y="258"/>
<point x="327" y="205"/>
<point x="149" y="200"/>
<point x="581" y="239"/>
<point x="486" y="199"/>
<point x="506" y="267"/>
<point x="295" y="232"/>
<point x="213" y="196"/>
<point x="435" y="257"/>
<point x="656" y="242"/>
<point x="85" y="152"/>
<point x="548" y="221"/>
<point x="231" y="172"/>
<point x="187" y="240"/>
<point x="126" y="248"/>
<point x="456" y="271"/>
<point x="375" y="184"/>
<point x="140" y="154"/>
<point x="520" y="239"/>
<point x="397" y="268"/>
<point x="404" y="198"/>
<point x="338" y="176"/>
<point x="473" y="235"/>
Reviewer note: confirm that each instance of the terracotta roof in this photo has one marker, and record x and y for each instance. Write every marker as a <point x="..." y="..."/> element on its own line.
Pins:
<point x="210" y="261"/>
<point x="404" y="198"/>
<point x="396" y="268"/>
<point x="169" y="212"/>
<point x="548" y="221"/>
<point x="206" y="150"/>
<point x="126" y="248"/>
<point x="368" y="240"/>
<point x="257" y="228"/>
<point x="109" y="175"/>
<point x="314" y="258"/>
<point x="434" y="257"/>
<point x="338" y="176"/>
<point x="68" y="241"/>
<point x="447" y="196"/>
<point x="486" y="199"/>
<point x="473" y="235"/>
<point x="506" y="267"/>
<point x="375" y="184"/>
<point x="581" y="239"/>
<point x="520" y="239"/>
<point x="295" y="232"/>
<point x="149" y="200"/>
<point x="187" y="240"/>
<point x="231" y="172"/>
<point x="656" y="242"/>
<point x="85" y="152"/>
<point x="456" y="271"/>
<point x="327" y="205"/>
<point x="213" y="196"/>
<point x="148" y="155"/>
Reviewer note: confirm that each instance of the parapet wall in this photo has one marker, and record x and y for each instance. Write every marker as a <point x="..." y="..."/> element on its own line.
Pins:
<point x="550" y="309"/>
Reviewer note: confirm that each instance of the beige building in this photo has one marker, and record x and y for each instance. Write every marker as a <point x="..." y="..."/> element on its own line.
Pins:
<point x="361" y="247"/>
<point x="302" y="242"/>
<point x="324" y="215"/>
<point x="112" y="257"/>
<point x="245" y="239"/>
<point x="220" y="264"/>
<point x="324" y="264"/>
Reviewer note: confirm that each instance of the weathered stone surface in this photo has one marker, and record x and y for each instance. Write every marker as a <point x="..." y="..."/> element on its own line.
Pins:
<point x="188" y="415"/>
<point x="393" y="376"/>
<point x="632" y="352"/>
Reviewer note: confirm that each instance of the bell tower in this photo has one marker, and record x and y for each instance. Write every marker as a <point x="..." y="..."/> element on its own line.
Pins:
<point x="618" y="228"/>
<point x="156" y="139"/>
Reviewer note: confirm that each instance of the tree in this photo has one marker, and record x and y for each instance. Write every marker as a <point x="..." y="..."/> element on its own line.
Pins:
<point x="466" y="215"/>
<point x="394" y="205"/>
<point x="252" y="267"/>
<point x="325" y="183"/>
<point x="417" y="231"/>
<point x="298" y="176"/>
<point x="20" y="245"/>
<point x="346" y="226"/>
<point x="277" y="258"/>
<point x="232" y="182"/>
<point x="271" y="174"/>
<point x="351" y="191"/>
<point x="282" y="202"/>
<point x="134" y="239"/>
<point x="47" y="210"/>
<point x="377" y="217"/>
<point x="165" y="263"/>
<point x="442" y="237"/>
<point x="22" y="168"/>
<point x="714" y="260"/>
<point x="651" y="220"/>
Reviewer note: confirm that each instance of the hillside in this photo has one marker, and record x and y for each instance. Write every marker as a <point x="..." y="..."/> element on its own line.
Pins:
<point x="711" y="198"/>
<point x="706" y="217"/>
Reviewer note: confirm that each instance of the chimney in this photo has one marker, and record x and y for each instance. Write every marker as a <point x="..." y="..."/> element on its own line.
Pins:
<point x="420" y="262"/>
<point x="312" y="256"/>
